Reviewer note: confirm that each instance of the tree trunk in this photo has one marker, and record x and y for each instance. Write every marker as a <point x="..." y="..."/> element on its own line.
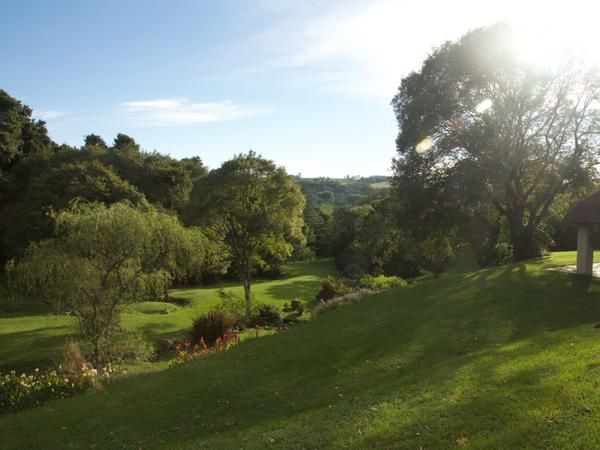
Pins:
<point x="247" y="295"/>
<point x="96" y="344"/>
<point x="523" y="242"/>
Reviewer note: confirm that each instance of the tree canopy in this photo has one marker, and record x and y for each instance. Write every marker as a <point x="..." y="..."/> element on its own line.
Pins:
<point x="257" y="209"/>
<point x="481" y="126"/>
<point x="103" y="256"/>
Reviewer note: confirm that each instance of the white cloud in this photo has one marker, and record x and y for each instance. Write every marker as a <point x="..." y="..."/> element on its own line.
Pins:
<point x="49" y="114"/>
<point x="182" y="111"/>
<point x="366" y="47"/>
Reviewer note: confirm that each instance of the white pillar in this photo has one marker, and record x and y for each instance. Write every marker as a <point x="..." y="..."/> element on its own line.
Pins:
<point x="585" y="252"/>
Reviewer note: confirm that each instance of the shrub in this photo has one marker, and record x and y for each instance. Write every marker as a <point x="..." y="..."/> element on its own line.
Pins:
<point x="338" y="302"/>
<point x="353" y="271"/>
<point x="130" y="346"/>
<point x="234" y="306"/>
<point x="211" y="326"/>
<point x="381" y="282"/>
<point x="266" y="316"/>
<point x="296" y="306"/>
<point x="333" y="287"/>
<point x="352" y="262"/>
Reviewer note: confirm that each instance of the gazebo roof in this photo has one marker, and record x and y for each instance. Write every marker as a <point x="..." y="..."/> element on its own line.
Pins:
<point x="585" y="212"/>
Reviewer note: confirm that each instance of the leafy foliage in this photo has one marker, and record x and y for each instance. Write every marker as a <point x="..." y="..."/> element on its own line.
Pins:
<point x="381" y="282"/>
<point x="102" y="256"/>
<point x="333" y="287"/>
<point x="210" y="326"/>
<point x="265" y="316"/>
<point x="257" y="209"/>
<point x="483" y="131"/>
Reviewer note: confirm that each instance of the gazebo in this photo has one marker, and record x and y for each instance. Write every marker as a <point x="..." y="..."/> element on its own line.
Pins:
<point x="585" y="215"/>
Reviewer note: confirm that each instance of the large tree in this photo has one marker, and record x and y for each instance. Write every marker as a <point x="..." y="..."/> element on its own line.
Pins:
<point x="257" y="207"/>
<point x="481" y="125"/>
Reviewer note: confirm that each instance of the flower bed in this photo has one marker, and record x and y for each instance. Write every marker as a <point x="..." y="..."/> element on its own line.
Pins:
<point x="186" y="352"/>
<point x="20" y="391"/>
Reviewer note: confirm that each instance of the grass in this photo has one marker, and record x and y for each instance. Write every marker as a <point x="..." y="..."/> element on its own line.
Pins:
<point x="502" y="358"/>
<point x="31" y="337"/>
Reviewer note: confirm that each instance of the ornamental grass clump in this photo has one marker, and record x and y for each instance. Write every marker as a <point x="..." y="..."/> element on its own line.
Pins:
<point x="211" y="326"/>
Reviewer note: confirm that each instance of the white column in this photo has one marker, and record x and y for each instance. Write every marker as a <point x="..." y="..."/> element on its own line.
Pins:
<point x="585" y="252"/>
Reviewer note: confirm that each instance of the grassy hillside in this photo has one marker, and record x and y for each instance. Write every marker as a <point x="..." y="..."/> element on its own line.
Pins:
<point x="31" y="337"/>
<point x="501" y="358"/>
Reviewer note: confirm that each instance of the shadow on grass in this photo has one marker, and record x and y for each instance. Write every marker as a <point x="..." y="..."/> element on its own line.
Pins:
<point x="304" y="290"/>
<point x="37" y="348"/>
<point x="419" y="366"/>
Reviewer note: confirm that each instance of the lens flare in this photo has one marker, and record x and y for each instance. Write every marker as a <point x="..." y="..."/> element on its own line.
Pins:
<point x="484" y="106"/>
<point x="424" y="145"/>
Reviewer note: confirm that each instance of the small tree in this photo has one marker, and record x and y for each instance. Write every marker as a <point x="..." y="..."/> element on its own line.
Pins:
<point x="103" y="256"/>
<point x="257" y="207"/>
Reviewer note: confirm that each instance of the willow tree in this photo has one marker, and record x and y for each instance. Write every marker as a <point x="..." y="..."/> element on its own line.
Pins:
<point x="257" y="208"/>
<point x="478" y="118"/>
<point x="102" y="257"/>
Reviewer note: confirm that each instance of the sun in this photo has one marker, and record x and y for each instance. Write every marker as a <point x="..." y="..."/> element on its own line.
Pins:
<point x="544" y="36"/>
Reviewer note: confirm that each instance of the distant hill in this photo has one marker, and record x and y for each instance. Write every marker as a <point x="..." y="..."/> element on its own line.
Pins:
<point x="330" y="193"/>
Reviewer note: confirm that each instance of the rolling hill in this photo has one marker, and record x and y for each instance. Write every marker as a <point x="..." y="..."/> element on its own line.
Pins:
<point x="502" y="358"/>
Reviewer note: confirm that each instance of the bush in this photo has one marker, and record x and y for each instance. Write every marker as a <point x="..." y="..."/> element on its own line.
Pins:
<point x="234" y="306"/>
<point x="333" y="287"/>
<point x="352" y="263"/>
<point x="381" y="282"/>
<point x="130" y="346"/>
<point x="296" y="306"/>
<point x="353" y="271"/>
<point x="338" y="302"/>
<point x="266" y="316"/>
<point x="211" y="326"/>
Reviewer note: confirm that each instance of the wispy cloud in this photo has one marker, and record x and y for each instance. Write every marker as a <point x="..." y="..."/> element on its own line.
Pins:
<point x="366" y="47"/>
<point x="49" y="114"/>
<point x="182" y="111"/>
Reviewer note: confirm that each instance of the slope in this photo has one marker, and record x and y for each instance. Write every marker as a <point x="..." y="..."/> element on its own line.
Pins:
<point x="506" y="357"/>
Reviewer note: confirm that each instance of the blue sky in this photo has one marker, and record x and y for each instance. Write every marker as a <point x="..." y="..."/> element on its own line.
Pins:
<point x="305" y="83"/>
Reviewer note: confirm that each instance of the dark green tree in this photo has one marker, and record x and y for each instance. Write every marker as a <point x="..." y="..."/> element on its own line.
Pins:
<point x="479" y="118"/>
<point x="53" y="189"/>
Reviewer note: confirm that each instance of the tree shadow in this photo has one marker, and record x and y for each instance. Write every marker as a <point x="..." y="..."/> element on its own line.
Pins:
<point x="36" y="348"/>
<point x="304" y="290"/>
<point x="433" y="359"/>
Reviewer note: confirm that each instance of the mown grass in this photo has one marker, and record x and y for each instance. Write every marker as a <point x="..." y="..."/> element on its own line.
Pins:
<point x="32" y="337"/>
<point x="500" y="358"/>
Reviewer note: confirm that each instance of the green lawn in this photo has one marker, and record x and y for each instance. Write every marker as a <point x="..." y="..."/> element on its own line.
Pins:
<point x="502" y="358"/>
<point x="37" y="340"/>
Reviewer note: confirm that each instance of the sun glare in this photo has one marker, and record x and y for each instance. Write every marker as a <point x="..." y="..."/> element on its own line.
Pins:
<point x="423" y="146"/>
<point x="484" y="106"/>
<point x="542" y="38"/>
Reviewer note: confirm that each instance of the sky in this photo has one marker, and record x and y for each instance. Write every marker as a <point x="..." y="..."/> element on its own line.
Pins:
<point x="305" y="83"/>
